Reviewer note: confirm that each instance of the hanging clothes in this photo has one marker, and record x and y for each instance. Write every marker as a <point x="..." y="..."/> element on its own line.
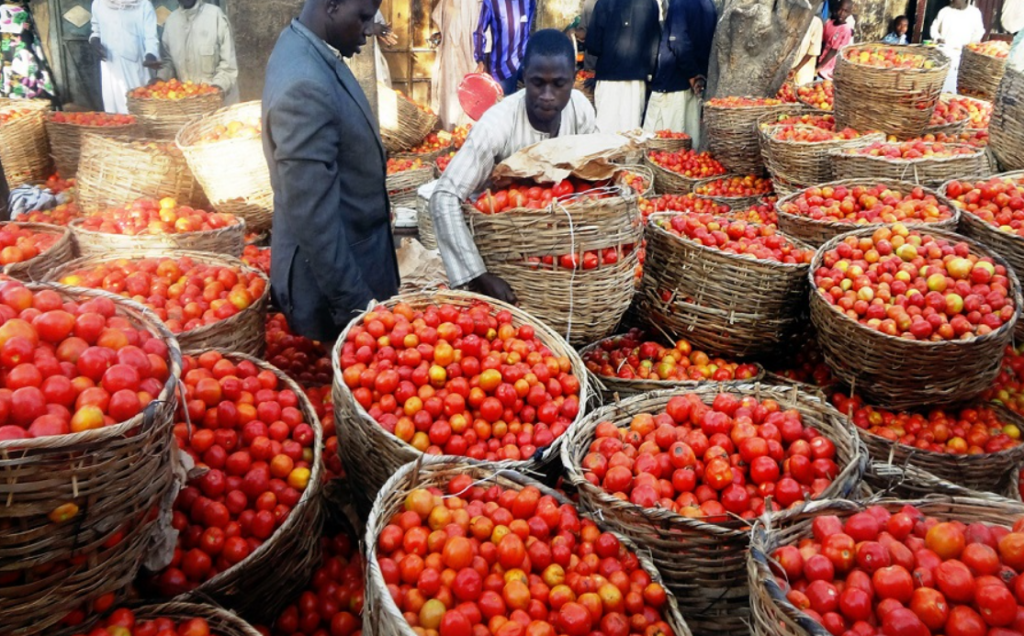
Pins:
<point x="127" y="30"/>
<point x="24" y="73"/>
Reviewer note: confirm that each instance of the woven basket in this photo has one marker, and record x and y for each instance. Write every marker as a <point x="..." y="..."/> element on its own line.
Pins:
<point x="582" y="305"/>
<point x="402" y="186"/>
<point x="817" y="233"/>
<point x="163" y="118"/>
<point x="66" y="142"/>
<point x="117" y="475"/>
<point x="807" y="163"/>
<point x="261" y="585"/>
<point x="36" y="268"/>
<point x="896" y="101"/>
<point x="979" y="74"/>
<point x="228" y="240"/>
<point x="372" y="455"/>
<point x="114" y="172"/>
<point x="222" y="622"/>
<point x="426" y="157"/>
<point x="1006" y="128"/>
<point x="403" y="124"/>
<point x="657" y="144"/>
<point x="668" y="182"/>
<point x="734" y="203"/>
<point x="642" y="171"/>
<point x="233" y="172"/>
<point x="930" y="172"/>
<point x="24" y="147"/>
<point x="774" y="615"/>
<point x="741" y="307"/>
<point x="245" y="332"/>
<point x="425" y="223"/>
<point x="614" y="388"/>
<point x="766" y="123"/>
<point x="382" y="617"/>
<point x="704" y="563"/>
<point x="899" y="373"/>
<point x="732" y="135"/>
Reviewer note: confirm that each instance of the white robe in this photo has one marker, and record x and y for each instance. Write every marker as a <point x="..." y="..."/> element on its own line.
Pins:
<point x="678" y="112"/>
<point x="620" y="105"/>
<point x="956" y="29"/>
<point x="456" y="20"/>
<point x="128" y="35"/>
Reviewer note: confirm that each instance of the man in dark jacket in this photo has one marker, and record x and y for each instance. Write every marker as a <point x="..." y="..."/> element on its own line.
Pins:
<point x="333" y="252"/>
<point x="682" y="68"/>
<point x="623" y="35"/>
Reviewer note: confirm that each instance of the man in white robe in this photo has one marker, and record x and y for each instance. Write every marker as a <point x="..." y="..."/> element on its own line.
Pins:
<point x="456" y="21"/>
<point x="956" y="26"/>
<point x="124" y="37"/>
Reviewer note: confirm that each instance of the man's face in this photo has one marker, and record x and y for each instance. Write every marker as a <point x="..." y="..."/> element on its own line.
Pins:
<point x="349" y="23"/>
<point x="549" y="82"/>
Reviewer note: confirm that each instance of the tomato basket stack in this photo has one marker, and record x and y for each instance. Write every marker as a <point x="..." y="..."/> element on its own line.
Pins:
<point x="163" y="116"/>
<point x="795" y="156"/>
<point x="66" y="136"/>
<point x="732" y="131"/>
<point x="24" y="147"/>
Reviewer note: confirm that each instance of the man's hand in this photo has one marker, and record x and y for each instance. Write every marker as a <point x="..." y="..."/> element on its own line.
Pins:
<point x="493" y="286"/>
<point x="152" y="63"/>
<point x="385" y="34"/>
<point x="98" y="48"/>
<point x="480" y="68"/>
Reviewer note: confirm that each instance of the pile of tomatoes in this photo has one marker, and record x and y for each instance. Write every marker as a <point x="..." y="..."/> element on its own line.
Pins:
<point x="19" y="244"/>
<point x="630" y="356"/>
<point x="123" y="622"/>
<point x="688" y="163"/>
<point x="257" y="257"/>
<point x="472" y="558"/>
<point x="460" y="380"/>
<point x="807" y="365"/>
<point x="534" y="197"/>
<point x="91" y="119"/>
<point x="868" y="204"/>
<point x="396" y="166"/>
<point x="735" y="237"/>
<point x="1008" y="387"/>
<point x="308" y="362"/>
<point x="998" y="201"/>
<point x="173" y="89"/>
<point x="152" y="217"/>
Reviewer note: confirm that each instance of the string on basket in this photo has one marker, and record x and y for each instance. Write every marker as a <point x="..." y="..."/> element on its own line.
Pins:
<point x="572" y="276"/>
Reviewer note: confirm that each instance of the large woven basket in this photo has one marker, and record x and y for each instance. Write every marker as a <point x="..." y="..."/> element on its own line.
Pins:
<point x="36" y="268"/>
<point x="66" y="142"/>
<point x="734" y="203"/>
<point x="817" y="233"/>
<point x="979" y="74"/>
<point x="261" y="585"/>
<point x="24" y="148"/>
<point x="163" y="118"/>
<point x="382" y="616"/>
<point x="896" y="101"/>
<point x="806" y="163"/>
<point x="704" y="563"/>
<point x="899" y="373"/>
<point x="774" y="615"/>
<point x="232" y="172"/>
<point x="115" y="172"/>
<point x="245" y="332"/>
<point x="1006" y="128"/>
<point x="668" y="182"/>
<point x="116" y="475"/>
<point x="582" y="305"/>
<point x="657" y="144"/>
<point x="732" y="305"/>
<point x="403" y="124"/>
<point x="402" y="186"/>
<point x="930" y="172"/>
<point x="642" y="171"/>
<point x="732" y="135"/>
<point x="425" y="223"/>
<point x="909" y="481"/>
<point x="221" y="621"/>
<point x="228" y="240"/>
<point x="372" y="455"/>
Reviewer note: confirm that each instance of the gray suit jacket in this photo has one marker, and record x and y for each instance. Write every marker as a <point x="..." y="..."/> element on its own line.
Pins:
<point x="333" y="250"/>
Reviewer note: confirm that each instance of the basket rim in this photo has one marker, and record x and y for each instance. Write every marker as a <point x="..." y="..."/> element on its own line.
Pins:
<point x="195" y="125"/>
<point x="976" y="152"/>
<point x="737" y="257"/>
<point x="74" y="225"/>
<point x="729" y="175"/>
<point x="927" y="51"/>
<point x="201" y="610"/>
<point x="167" y="394"/>
<point x="40" y="228"/>
<point x="866" y="332"/>
<point x="48" y="118"/>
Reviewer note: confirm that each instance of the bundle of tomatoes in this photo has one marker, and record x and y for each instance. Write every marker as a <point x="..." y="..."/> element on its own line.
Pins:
<point x="308" y="362"/>
<point x="535" y="197"/>
<point x="906" y="574"/>
<point x="825" y="122"/>
<point x="478" y="558"/>
<point x="630" y="356"/>
<point x="820" y="95"/>
<point x="635" y="181"/>
<point x="811" y="134"/>
<point x="971" y="430"/>
<point x="892" y="57"/>
<point x="123" y="622"/>
<point x="13" y="114"/>
<point x="431" y="143"/>
<point x="978" y="112"/>
<point x="688" y="163"/>
<point x="396" y="166"/>
<point x="460" y="381"/>
<point x="333" y="601"/>
<point x="999" y="201"/>
<point x="63" y="214"/>
<point x="459" y="135"/>
<point x="254" y="451"/>
<point x="736" y="186"/>
<point x="152" y="217"/>
<point x="252" y="128"/>
<point x="183" y="293"/>
<point x="736" y="237"/>
<point x="861" y="204"/>
<point x="737" y="456"/>
<point x="443" y="161"/>
<point x="742" y="102"/>
<point x="973" y="136"/>
<point x="19" y="244"/>
<point x="1008" y="387"/>
<point x="257" y="258"/>
<point x="914" y="149"/>
<point x="670" y="134"/>
<point x="807" y="365"/>
<point x="69" y="367"/>
<point x="91" y="119"/>
<point x="173" y="89"/>
<point x="681" y="203"/>
<point x="948" y="112"/>
<point x="992" y="48"/>
<point x="762" y="212"/>
<point x="786" y="94"/>
<point x="912" y="285"/>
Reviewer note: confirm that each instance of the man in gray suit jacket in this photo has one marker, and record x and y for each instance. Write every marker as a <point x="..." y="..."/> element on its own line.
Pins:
<point x="333" y="251"/>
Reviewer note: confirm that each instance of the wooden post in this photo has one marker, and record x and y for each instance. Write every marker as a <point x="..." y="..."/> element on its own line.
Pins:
<point x="364" y="67"/>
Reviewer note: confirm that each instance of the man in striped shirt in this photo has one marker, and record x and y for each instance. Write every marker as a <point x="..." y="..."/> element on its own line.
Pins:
<point x="548" y="107"/>
<point x="509" y="23"/>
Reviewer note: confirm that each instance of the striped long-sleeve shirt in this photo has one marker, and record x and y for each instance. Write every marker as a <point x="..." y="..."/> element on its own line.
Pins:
<point x="509" y="22"/>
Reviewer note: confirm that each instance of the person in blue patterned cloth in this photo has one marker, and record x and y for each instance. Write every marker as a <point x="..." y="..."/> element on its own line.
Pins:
<point x="24" y="73"/>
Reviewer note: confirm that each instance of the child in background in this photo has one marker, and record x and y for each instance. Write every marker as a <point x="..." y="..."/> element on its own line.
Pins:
<point x="837" y="34"/>
<point x="898" y="31"/>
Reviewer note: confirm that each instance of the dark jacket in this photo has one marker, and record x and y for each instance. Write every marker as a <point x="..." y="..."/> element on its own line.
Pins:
<point x="685" y="44"/>
<point x="624" y="35"/>
<point x="333" y="250"/>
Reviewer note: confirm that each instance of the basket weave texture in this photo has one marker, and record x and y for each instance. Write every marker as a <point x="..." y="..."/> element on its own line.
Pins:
<point x="979" y="74"/>
<point x="372" y="455"/>
<point x="403" y="124"/>
<point x="163" y="118"/>
<point x="898" y="373"/>
<point x="732" y="136"/>
<point x="24" y="147"/>
<point x="704" y="563"/>
<point x="228" y="240"/>
<point x="66" y="142"/>
<point x="425" y="223"/>
<point x="930" y="172"/>
<point x="734" y="203"/>
<point x="1006" y="127"/>
<point x="35" y="269"/>
<point x="233" y="172"/>
<point x="667" y="145"/>
<point x="382" y="617"/>
<point x="116" y="171"/>
<point x="668" y="182"/>
<point x="402" y="186"/>
<point x="806" y="163"/>
<point x="221" y="621"/>
<point x="896" y="101"/>
<point x="244" y="333"/>
<point x="726" y="303"/>
<point x="117" y="476"/>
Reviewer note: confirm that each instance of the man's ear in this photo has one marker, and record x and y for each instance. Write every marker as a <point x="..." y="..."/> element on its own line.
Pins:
<point x="332" y="6"/>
